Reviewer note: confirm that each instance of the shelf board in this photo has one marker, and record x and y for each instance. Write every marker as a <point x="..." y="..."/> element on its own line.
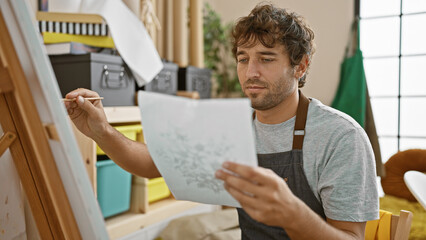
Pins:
<point x="123" y="114"/>
<point x="127" y="223"/>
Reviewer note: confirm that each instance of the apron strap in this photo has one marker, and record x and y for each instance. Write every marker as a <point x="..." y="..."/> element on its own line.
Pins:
<point x="299" y="126"/>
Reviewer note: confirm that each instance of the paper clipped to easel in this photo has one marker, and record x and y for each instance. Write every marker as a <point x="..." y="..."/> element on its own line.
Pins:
<point x="189" y="140"/>
<point x="129" y="34"/>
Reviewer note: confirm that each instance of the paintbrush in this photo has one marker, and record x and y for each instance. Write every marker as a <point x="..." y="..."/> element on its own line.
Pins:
<point x="74" y="99"/>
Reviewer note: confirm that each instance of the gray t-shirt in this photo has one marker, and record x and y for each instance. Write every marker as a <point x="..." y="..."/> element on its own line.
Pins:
<point x="337" y="159"/>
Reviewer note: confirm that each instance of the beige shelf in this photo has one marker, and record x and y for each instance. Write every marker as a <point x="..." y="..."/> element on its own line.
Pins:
<point x="122" y="114"/>
<point x="127" y="223"/>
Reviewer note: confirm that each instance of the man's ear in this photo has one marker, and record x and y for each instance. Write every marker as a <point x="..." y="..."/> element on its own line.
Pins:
<point x="302" y="67"/>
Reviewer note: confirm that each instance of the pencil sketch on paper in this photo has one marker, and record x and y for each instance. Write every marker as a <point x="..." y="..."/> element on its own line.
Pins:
<point x="190" y="139"/>
<point x="185" y="154"/>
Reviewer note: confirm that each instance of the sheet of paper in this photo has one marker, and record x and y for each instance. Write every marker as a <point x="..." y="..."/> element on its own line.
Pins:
<point x="129" y="34"/>
<point x="190" y="139"/>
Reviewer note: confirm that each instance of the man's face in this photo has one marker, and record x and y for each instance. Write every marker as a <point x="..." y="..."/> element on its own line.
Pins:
<point x="265" y="74"/>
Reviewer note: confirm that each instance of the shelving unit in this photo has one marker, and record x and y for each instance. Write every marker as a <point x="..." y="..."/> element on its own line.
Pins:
<point x="159" y="213"/>
<point x="156" y="218"/>
<point x="128" y="114"/>
<point x="115" y="115"/>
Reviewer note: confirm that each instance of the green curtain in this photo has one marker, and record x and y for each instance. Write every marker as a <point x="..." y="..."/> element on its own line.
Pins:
<point x="351" y="93"/>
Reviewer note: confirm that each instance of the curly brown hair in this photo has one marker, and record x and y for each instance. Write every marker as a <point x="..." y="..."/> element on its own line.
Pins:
<point x="271" y="25"/>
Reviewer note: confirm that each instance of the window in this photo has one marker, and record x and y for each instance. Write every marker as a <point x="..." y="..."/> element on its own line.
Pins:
<point x="392" y="38"/>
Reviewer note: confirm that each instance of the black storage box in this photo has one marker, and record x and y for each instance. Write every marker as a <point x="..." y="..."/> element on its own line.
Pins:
<point x="195" y="79"/>
<point x="165" y="81"/>
<point x="102" y="73"/>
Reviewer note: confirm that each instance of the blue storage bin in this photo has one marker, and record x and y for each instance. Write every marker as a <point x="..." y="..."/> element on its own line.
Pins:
<point x="114" y="185"/>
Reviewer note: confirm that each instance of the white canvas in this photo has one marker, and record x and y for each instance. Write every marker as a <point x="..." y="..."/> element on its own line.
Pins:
<point x="12" y="218"/>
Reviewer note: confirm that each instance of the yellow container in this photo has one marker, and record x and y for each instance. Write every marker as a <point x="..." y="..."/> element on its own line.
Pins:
<point x="130" y="131"/>
<point x="157" y="189"/>
<point x="140" y="137"/>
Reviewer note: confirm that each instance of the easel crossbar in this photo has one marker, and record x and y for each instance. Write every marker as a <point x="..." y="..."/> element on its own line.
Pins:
<point x="5" y="141"/>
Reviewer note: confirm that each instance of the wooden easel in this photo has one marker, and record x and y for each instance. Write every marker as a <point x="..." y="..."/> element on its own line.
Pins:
<point x="27" y="139"/>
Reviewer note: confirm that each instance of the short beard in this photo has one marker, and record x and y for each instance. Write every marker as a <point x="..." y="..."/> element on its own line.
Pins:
<point x="270" y="100"/>
<point x="274" y="96"/>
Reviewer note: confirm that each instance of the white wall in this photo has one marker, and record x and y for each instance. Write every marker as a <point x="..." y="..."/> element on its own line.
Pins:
<point x="330" y="20"/>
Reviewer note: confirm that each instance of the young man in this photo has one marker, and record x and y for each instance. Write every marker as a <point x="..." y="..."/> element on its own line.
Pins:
<point x="317" y="162"/>
<point x="316" y="174"/>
